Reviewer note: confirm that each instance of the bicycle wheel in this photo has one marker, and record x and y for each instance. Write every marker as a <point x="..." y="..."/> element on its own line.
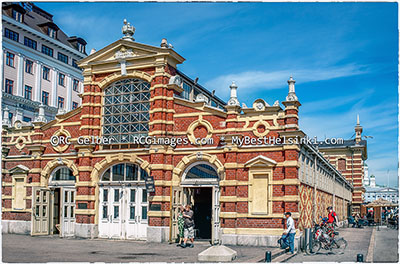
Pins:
<point x="316" y="246"/>
<point x="339" y="246"/>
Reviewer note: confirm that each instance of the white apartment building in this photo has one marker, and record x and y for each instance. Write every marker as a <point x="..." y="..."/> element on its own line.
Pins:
<point x="39" y="64"/>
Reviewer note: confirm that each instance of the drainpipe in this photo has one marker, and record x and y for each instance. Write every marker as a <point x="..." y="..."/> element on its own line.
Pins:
<point x="315" y="190"/>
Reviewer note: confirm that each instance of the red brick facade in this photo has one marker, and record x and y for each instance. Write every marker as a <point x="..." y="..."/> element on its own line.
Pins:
<point x="170" y="116"/>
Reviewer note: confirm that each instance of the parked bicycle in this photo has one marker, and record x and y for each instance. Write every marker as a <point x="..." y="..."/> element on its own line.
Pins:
<point x="325" y="237"/>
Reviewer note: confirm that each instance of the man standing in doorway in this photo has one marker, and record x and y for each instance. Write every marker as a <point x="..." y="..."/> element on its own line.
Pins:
<point x="188" y="227"/>
<point x="288" y="235"/>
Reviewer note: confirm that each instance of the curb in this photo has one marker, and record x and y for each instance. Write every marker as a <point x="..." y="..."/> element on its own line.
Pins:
<point x="370" y="254"/>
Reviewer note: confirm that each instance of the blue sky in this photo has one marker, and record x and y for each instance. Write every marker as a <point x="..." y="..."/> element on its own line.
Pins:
<point x="344" y="57"/>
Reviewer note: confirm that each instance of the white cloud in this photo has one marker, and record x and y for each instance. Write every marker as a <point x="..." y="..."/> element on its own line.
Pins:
<point x="378" y="120"/>
<point x="262" y="80"/>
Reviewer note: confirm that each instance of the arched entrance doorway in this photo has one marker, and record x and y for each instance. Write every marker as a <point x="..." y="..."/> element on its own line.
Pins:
<point x="123" y="202"/>
<point x="199" y="187"/>
<point x="53" y="208"/>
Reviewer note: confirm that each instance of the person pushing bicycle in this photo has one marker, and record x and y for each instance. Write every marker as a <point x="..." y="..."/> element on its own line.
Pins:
<point x="332" y="220"/>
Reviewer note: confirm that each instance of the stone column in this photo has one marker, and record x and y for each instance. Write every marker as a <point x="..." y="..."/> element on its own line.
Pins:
<point x="38" y="81"/>
<point x="68" y="103"/>
<point x="20" y="75"/>
<point x="54" y="80"/>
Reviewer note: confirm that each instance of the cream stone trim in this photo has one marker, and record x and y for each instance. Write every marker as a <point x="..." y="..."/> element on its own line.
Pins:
<point x="92" y="104"/>
<point x="286" y="182"/>
<point x="160" y="198"/>
<point x="89" y="116"/>
<point x="161" y="97"/>
<point x="287" y="198"/>
<point x="85" y="184"/>
<point x="161" y="122"/>
<point x="257" y="124"/>
<point x="159" y="213"/>
<point x="232" y="199"/>
<point x="59" y="132"/>
<point x="256" y="231"/>
<point x="85" y="197"/>
<point x="160" y="85"/>
<point x="85" y="168"/>
<point x="246" y="215"/>
<point x="14" y="193"/>
<point x="110" y="160"/>
<point x="51" y="165"/>
<point x="35" y="170"/>
<point x="291" y="163"/>
<point x="194" y="125"/>
<point x="116" y="77"/>
<point x="67" y="124"/>
<point x="6" y="184"/>
<point x="85" y="211"/>
<point x="162" y="167"/>
<point x="162" y="74"/>
<point x="195" y="157"/>
<point x="232" y="183"/>
<point x="93" y="93"/>
<point x="162" y="183"/>
<point x="254" y="201"/>
<point x="16" y="211"/>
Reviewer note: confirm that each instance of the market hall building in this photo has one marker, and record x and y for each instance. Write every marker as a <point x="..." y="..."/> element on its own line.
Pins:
<point x="200" y="150"/>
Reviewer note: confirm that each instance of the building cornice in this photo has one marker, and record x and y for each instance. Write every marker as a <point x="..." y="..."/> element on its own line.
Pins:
<point x="43" y="37"/>
<point x="28" y="102"/>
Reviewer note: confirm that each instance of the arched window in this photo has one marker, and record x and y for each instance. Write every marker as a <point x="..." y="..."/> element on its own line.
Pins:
<point x="62" y="175"/>
<point x="124" y="172"/>
<point x="200" y="172"/>
<point x="126" y="110"/>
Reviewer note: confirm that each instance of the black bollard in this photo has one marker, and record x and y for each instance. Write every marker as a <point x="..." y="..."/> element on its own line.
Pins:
<point x="360" y="258"/>
<point x="268" y="256"/>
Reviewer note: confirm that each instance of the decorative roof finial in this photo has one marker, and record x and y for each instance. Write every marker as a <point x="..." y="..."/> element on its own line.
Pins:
<point x="128" y="31"/>
<point x="233" y="99"/>
<point x="292" y="93"/>
<point x="358" y="129"/>
<point x="6" y="120"/>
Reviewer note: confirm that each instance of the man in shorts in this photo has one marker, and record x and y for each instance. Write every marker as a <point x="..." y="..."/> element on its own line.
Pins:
<point x="188" y="227"/>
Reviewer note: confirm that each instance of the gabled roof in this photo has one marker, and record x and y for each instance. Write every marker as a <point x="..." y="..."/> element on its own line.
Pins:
<point x="261" y="161"/>
<point x="139" y="51"/>
<point x="19" y="169"/>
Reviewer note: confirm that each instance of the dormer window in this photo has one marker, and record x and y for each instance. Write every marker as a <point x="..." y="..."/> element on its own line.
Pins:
<point x="17" y="15"/>
<point x="51" y="32"/>
<point x="50" y="29"/>
<point x="78" y="43"/>
<point x="81" y="47"/>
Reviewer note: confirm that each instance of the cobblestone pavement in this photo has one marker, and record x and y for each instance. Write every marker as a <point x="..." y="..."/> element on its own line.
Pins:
<point x="24" y="248"/>
<point x="385" y="247"/>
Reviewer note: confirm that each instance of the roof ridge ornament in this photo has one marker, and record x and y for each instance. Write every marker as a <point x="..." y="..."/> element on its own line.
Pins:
<point x="128" y="31"/>
<point x="292" y="93"/>
<point x="233" y="98"/>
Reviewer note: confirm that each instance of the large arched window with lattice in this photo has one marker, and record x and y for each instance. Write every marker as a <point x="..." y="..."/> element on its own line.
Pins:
<point x="126" y="110"/>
